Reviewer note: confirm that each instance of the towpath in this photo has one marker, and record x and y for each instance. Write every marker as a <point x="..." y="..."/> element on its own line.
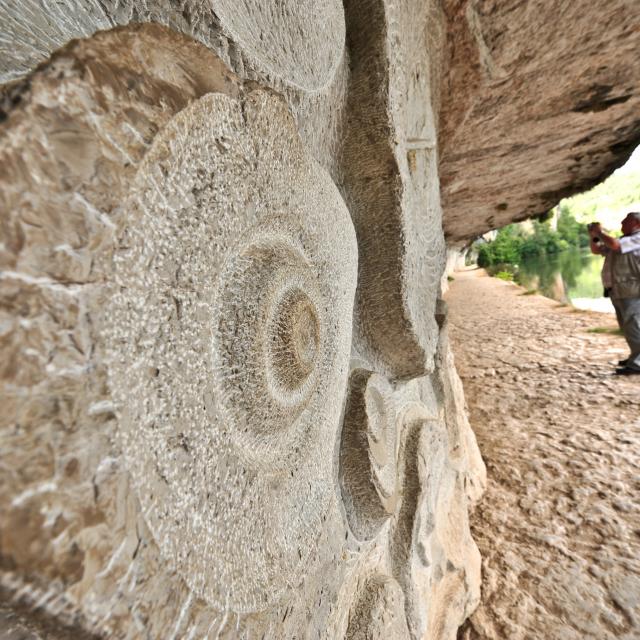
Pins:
<point x="559" y="524"/>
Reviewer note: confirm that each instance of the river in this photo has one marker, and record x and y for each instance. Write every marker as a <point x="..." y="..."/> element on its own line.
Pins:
<point x="572" y="277"/>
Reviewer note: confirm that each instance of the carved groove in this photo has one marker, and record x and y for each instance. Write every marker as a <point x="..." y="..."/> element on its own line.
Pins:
<point x="377" y="613"/>
<point x="368" y="454"/>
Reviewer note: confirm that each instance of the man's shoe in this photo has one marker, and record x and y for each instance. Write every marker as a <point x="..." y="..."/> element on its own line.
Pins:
<point x="627" y="371"/>
<point x="623" y="363"/>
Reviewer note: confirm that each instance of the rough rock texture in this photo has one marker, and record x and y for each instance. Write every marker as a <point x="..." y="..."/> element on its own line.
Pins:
<point x="391" y="185"/>
<point x="300" y="43"/>
<point x="229" y="405"/>
<point x="292" y="46"/>
<point x="558" y="525"/>
<point x="540" y="100"/>
<point x="179" y="349"/>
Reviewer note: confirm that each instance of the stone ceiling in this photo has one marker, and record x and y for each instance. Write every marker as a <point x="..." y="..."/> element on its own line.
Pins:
<point x="540" y="101"/>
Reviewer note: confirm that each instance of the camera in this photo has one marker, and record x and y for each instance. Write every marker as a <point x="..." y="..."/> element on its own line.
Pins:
<point x="591" y="226"/>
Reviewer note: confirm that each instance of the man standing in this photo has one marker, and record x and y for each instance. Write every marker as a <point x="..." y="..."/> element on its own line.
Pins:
<point x="622" y="273"/>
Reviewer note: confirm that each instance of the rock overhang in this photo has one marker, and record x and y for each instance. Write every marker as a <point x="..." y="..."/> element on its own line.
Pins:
<point x="539" y="101"/>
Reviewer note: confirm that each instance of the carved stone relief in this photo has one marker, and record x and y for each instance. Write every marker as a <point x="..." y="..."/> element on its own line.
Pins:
<point x="229" y="407"/>
<point x="201" y="446"/>
<point x="228" y="340"/>
<point x="299" y="42"/>
<point x="369" y="454"/>
<point x="393" y="194"/>
<point x="378" y="611"/>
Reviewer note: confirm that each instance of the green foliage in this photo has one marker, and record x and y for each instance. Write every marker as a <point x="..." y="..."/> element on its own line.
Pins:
<point x="505" y="249"/>
<point x="609" y="200"/>
<point x="614" y="331"/>
<point x="517" y="242"/>
<point x="570" y="230"/>
<point x="484" y="255"/>
<point x="504" y="271"/>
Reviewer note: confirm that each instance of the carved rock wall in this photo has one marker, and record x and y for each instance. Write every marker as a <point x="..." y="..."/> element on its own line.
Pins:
<point x="297" y="48"/>
<point x="231" y="409"/>
<point x="229" y="404"/>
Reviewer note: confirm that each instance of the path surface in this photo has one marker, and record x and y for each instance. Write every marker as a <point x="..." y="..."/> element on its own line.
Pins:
<point x="559" y="524"/>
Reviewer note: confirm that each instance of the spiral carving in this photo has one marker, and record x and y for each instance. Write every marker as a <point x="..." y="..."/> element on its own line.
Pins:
<point x="275" y="346"/>
<point x="368" y="453"/>
<point x="229" y="333"/>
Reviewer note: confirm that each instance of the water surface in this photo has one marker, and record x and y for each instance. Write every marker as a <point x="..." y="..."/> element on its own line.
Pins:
<point x="572" y="277"/>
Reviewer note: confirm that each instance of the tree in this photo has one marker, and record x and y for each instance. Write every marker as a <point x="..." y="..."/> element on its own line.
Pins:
<point x="517" y="242"/>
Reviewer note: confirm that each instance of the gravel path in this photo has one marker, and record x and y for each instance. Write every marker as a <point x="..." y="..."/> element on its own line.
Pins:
<point x="559" y="524"/>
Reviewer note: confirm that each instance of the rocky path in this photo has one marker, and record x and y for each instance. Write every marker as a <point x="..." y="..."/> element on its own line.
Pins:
<point x="559" y="524"/>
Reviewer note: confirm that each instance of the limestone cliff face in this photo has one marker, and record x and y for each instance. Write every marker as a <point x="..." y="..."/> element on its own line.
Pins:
<point x="540" y="100"/>
<point x="229" y="405"/>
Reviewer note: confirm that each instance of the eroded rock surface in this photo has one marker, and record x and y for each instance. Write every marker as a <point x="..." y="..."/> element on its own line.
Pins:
<point x="540" y="101"/>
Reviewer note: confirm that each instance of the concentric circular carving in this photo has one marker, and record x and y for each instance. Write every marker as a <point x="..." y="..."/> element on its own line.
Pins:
<point x="300" y="41"/>
<point x="228" y="337"/>
<point x="296" y="340"/>
<point x="271" y="333"/>
<point x="368" y="453"/>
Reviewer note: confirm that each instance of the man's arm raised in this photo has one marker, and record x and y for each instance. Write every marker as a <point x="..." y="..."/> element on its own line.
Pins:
<point x="600" y="239"/>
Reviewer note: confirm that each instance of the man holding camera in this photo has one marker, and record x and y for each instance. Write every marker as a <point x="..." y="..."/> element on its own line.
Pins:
<point x="621" y="278"/>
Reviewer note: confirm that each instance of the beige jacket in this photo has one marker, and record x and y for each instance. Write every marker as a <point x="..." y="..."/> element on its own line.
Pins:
<point x="625" y="268"/>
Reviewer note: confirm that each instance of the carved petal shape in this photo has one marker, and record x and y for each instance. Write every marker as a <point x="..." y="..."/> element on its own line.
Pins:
<point x="229" y="333"/>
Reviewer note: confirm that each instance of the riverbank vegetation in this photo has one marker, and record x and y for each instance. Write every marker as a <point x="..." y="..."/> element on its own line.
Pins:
<point x="565" y="227"/>
<point x="517" y="242"/>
